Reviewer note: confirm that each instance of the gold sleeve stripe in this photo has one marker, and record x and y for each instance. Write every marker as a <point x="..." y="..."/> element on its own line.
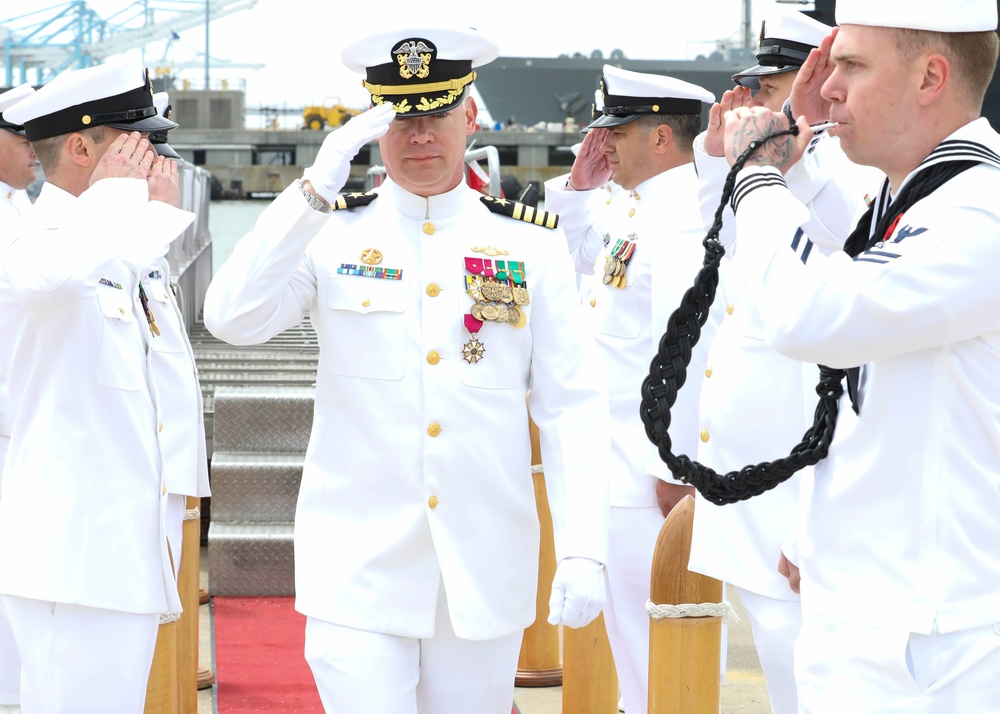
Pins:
<point x="340" y="202"/>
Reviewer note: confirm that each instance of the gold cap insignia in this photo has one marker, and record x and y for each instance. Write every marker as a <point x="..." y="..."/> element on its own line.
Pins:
<point x="414" y="58"/>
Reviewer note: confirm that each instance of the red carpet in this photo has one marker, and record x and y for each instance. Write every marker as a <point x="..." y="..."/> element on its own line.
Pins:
<point x="259" y="665"/>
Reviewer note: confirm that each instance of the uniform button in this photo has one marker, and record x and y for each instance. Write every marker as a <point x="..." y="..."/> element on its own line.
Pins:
<point x="729" y="308"/>
<point x="433" y="357"/>
<point x="704" y="435"/>
<point x="121" y="310"/>
<point x="163" y="491"/>
<point x="593" y="302"/>
<point x="434" y="429"/>
<point x="433" y="290"/>
<point x="631" y="212"/>
<point x="608" y="202"/>
<point x="429" y="228"/>
<point x="432" y="501"/>
<point x="708" y="372"/>
<point x="160" y="427"/>
<point x="366" y="303"/>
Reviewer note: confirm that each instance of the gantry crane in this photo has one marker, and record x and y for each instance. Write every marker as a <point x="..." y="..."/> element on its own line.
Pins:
<point x="38" y="45"/>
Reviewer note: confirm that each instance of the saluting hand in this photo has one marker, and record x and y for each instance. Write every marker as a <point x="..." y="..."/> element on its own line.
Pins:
<point x="590" y="168"/>
<point x="163" y="182"/>
<point x="715" y="136"/>
<point x="128" y="156"/>
<point x="806" y="97"/>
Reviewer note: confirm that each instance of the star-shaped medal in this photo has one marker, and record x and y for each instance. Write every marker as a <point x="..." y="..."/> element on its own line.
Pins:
<point x="474" y="350"/>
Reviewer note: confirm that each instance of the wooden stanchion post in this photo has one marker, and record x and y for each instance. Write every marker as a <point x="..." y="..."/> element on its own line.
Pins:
<point x="590" y="683"/>
<point x="685" y="652"/>
<point x="539" y="665"/>
<point x="162" y="692"/>
<point x="187" y="587"/>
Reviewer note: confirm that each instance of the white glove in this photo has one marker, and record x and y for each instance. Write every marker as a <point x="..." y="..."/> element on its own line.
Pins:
<point x="333" y="162"/>
<point x="577" y="592"/>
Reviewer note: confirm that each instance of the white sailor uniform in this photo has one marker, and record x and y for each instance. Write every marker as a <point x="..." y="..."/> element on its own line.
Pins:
<point x="660" y="218"/>
<point x="83" y="474"/>
<point x="174" y="376"/>
<point x="899" y="561"/>
<point x="12" y="201"/>
<point x="416" y="480"/>
<point x="755" y="406"/>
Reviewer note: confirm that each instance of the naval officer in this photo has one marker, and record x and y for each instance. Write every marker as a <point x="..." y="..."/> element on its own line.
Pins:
<point x="899" y="566"/>
<point x="84" y="471"/>
<point x="437" y="309"/>
<point x="741" y="544"/>
<point x="17" y="171"/>
<point x="644" y="250"/>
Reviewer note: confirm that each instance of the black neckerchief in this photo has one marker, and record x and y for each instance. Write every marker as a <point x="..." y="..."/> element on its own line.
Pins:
<point x="947" y="161"/>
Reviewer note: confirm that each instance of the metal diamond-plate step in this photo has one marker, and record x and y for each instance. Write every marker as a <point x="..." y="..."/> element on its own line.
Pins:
<point x="262" y="419"/>
<point x="255" y="488"/>
<point x="251" y="559"/>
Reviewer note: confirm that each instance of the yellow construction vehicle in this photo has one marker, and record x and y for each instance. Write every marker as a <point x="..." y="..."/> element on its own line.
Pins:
<point x="331" y="112"/>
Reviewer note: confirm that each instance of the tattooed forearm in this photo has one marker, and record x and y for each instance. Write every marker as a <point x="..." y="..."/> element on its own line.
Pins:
<point x="778" y="152"/>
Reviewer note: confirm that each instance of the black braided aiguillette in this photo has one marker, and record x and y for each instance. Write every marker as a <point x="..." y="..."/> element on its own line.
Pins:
<point x="668" y="372"/>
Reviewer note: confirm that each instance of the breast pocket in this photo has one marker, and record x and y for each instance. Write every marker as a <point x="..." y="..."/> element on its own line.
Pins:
<point x="366" y="321"/>
<point x="615" y="312"/>
<point x="121" y="363"/>
<point x="506" y="361"/>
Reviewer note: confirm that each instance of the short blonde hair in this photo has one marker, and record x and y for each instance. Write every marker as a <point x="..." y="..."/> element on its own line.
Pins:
<point x="49" y="150"/>
<point x="973" y="55"/>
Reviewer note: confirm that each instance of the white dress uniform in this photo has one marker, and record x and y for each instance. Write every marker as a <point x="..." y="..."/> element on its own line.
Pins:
<point x="661" y="217"/>
<point x="12" y="201"/>
<point x="418" y="467"/>
<point x="81" y="519"/>
<point x="174" y="376"/>
<point x="899" y="533"/>
<point x="755" y="406"/>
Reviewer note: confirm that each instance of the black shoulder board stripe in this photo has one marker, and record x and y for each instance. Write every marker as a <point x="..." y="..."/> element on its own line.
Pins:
<point x="353" y="200"/>
<point x="513" y="209"/>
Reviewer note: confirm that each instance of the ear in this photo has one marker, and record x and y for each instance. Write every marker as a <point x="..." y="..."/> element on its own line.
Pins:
<point x="663" y="138"/>
<point x="80" y="149"/>
<point x="471" y="112"/>
<point x="936" y="78"/>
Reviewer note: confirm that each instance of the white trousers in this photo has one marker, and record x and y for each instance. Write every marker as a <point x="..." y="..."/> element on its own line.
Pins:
<point x="848" y="667"/>
<point x="631" y="540"/>
<point x="10" y="663"/>
<point x="775" y="625"/>
<point x="358" y="671"/>
<point x="10" y="660"/>
<point x="82" y="660"/>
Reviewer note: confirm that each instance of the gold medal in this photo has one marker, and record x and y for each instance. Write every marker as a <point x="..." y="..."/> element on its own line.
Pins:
<point x="501" y="314"/>
<point x="522" y="320"/>
<point x="491" y="290"/>
<point x="622" y="282"/>
<point x="489" y="312"/>
<point x="513" y="315"/>
<point x="506" y="294"/>
<point x="477" y="310"/>
<point x="521" y="296"/>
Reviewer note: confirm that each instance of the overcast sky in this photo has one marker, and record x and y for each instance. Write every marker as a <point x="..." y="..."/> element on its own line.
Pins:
<point x="299" y="41"/>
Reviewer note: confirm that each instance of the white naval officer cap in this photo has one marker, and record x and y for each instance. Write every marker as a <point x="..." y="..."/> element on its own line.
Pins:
<point x="955" y="16"/>
<point x="786" y="37"/>
<point x="117" y="93"/>
<point x="628" y="95"/>
<point x="421" y="70"/>
<point x="9" y="99"/>
<point x="161" y="100"/>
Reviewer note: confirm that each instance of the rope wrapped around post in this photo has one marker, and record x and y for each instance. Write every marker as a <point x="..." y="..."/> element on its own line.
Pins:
<point x="668" y="372"/>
